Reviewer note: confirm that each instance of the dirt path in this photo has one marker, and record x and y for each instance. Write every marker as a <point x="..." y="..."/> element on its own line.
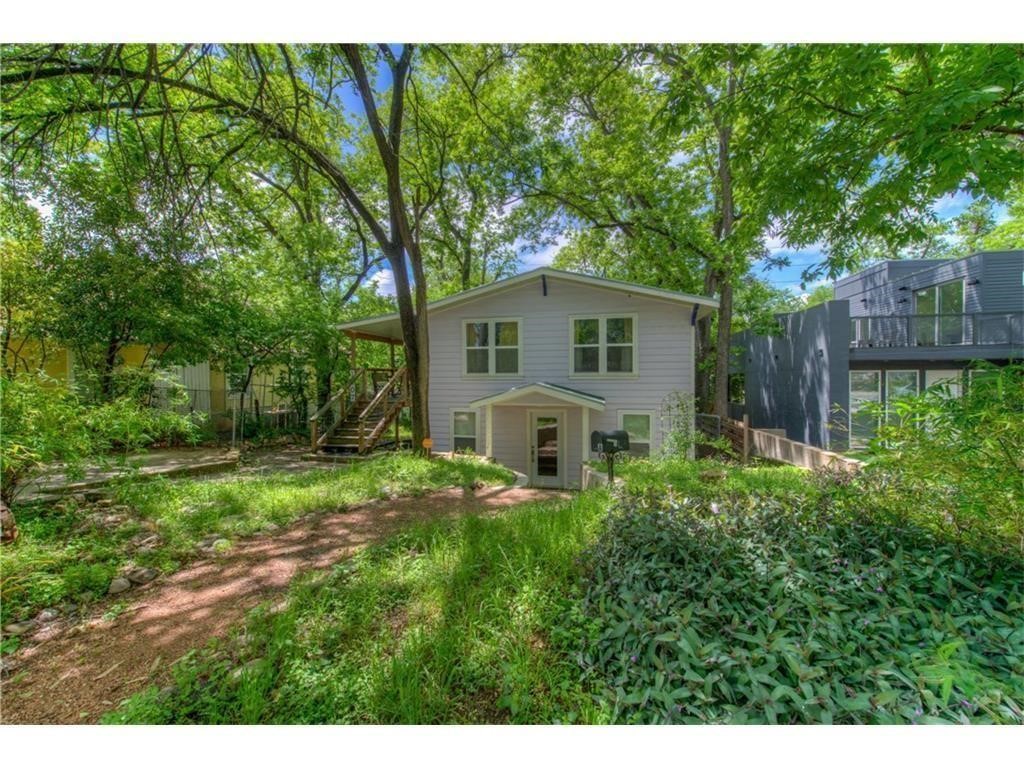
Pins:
<point x="77" y="676"/>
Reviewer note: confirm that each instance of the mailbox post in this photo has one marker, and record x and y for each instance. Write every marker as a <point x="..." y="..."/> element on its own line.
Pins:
<point x="607" y="444"/>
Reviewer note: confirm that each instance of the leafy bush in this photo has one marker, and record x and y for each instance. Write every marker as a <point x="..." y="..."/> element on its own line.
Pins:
<point x="82" y="578"/>
<point x="44" y="422"/>
<point x="960" y="459"/>
<point x="756" y="609"/>
<point x="40" y="422"/>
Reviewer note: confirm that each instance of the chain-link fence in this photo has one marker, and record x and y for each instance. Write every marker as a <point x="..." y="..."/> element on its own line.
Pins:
<point x="228" y="416"/>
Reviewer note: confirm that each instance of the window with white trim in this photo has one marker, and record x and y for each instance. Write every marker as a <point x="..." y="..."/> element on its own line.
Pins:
<point x="603" y="345"/>
<point x="464" y="431"/>
<point x="865" y="390"/>
<point x="899" y="385"/>
<point x="493" y="347"/>
<point x="638" y="425"/>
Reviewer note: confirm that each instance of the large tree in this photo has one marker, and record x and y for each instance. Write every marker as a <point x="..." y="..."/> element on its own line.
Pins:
<point x="216" y="107"/>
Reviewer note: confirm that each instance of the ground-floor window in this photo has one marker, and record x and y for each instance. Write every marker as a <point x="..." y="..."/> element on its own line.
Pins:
<point x="464" y="431"/>
<point x="638" y="426"/>
<point x="899" y="385"/>
<point x="950" y="378"/>
<point x="865" y="390"/>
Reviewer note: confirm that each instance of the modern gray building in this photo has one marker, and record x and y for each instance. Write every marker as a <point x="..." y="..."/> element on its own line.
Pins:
<point x="894" y="328"/>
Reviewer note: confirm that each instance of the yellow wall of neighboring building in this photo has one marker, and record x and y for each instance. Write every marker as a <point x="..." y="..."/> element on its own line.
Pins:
<point x="59" y="365"/>
<point x="27" y="356"/>
<point x="218" y="391"/>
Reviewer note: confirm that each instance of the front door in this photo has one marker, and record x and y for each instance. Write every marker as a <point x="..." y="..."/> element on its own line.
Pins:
<point x="546" y="447"/>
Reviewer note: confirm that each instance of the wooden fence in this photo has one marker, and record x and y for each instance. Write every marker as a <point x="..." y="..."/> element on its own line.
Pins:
<point x="773" y="444"/>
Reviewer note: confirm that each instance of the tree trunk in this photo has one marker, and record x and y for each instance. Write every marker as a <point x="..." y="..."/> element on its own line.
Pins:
<point x="728" y="220"/>
<point x="722" y="349"/>
<point x="107" y="374"/>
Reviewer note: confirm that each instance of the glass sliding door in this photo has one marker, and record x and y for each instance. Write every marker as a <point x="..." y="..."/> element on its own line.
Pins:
<point x="865" y="390"/>
<point x="899" y="385"/>
<point x="939" y="314"/>
<point x="951" y="313"/>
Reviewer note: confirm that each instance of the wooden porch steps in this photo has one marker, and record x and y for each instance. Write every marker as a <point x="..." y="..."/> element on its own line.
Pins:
<point x="371" y="403"/>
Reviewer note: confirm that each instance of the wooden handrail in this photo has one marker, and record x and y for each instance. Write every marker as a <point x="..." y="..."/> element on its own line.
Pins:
<point x="352" y="379"/>
<point x="318" y="439"/>
<point x="382" y="394"/>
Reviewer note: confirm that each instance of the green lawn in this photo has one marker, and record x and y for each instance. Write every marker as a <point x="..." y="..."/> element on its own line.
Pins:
<point x="697" y="592"/>
<point x="68" y="552"/>
<point x="449" y="622"/>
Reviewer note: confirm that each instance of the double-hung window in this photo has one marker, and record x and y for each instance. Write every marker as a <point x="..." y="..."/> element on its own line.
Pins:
<point x="464" y="431"/>
<point x="603" y="345"/>
<point x="638" y="426"/>
<point x="493" y="347"/>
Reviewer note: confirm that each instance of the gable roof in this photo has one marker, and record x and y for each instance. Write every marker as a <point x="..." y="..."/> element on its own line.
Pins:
<point x="557" y="391"/>
<point x="384" y="325"/>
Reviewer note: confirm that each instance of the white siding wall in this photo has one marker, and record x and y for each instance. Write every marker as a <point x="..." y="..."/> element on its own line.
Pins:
<point x="665" y="363"/>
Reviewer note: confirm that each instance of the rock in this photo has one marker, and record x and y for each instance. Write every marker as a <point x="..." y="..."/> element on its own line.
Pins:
<point x="47" y="615"/>
<point x="167" y="692"/>
<point x="221" y="545"/>
<point x="142" y="575"/>
<point x="19" y="628"/>
<point x="146" y="542"/>
<point x="271" y="528"/>
<point x="713" y="475"/>
<point x="208" y="541"/>
<point x="8" y="528"/>
<point x="7" y="666"/>
<point x="104" y="502"/>
<point x="249" y="666"/>
<point x="119" y="585"/>
<point x="93" y="496"/>
<point x="112" y="521"/>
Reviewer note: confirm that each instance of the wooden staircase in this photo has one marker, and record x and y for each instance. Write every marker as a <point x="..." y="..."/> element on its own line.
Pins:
<point x="358" y="416"/>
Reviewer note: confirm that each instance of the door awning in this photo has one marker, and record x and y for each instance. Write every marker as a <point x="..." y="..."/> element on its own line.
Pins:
<point x="521" y="396"/>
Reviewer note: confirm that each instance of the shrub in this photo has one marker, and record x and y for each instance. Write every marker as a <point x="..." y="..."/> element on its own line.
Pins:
<point x="960" y="459"/>
<point x="761" y="610"/>
<point x="44" y="422"/>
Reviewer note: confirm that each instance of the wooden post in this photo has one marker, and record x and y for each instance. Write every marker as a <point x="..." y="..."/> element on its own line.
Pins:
<point x="398" y="418"/>
<point x="351" y="354"/>
<point x="392" y="358"/>
<point x="746" y="438"/>
<point x="313" y="432"/>
<point x="585" y="437"/>
<point x="489" y="431"/>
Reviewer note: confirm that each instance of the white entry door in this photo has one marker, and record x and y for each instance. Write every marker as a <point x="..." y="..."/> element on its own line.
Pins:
<point x="547" y="448"/>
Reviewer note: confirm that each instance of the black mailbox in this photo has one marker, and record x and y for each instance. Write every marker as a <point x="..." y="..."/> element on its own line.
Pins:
<point x="609" y="442"/>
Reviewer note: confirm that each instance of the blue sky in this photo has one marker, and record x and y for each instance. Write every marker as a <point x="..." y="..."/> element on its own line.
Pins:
<point x="785" y="278"/>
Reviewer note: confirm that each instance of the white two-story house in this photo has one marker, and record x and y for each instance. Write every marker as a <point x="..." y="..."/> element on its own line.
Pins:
<point x="523" y="369"/>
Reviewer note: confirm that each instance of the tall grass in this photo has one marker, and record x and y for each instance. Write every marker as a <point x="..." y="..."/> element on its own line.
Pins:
<point x="66" y="552"/>
<point x="446" y="623"/>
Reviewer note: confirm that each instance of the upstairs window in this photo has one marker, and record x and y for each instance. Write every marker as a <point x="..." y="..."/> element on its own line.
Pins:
<point x="492" y="347"/>
<point x="603" y="345"/>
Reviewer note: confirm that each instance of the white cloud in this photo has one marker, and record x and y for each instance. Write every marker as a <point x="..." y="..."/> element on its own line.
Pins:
<point x="544" y="256"/>
<point x="45" y="209"/>
<point x="384" y="282"/>
<point x="952" y="205"/>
